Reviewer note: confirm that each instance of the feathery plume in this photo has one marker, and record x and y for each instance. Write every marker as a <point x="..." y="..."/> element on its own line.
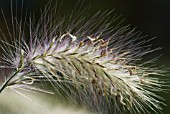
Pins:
<point x="87" y="61"/>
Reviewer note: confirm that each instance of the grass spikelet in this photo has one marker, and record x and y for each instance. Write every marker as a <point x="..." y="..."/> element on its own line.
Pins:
<point x="86" y="60"/>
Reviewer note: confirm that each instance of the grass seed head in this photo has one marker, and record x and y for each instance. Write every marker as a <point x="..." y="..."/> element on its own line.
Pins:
<point x="86" y="60"/>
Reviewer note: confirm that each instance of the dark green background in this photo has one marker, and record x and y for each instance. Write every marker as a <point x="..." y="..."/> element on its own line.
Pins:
<point x="152" y="17"/>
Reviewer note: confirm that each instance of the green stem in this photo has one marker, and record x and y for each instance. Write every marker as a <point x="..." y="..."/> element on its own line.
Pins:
<point x="7" y="81"/>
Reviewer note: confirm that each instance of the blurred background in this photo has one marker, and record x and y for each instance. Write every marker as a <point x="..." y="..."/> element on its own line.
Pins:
<point x="152" y="17"/>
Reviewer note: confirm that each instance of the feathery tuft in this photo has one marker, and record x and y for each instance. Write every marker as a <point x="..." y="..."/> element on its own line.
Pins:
<point x="88" y="62"/>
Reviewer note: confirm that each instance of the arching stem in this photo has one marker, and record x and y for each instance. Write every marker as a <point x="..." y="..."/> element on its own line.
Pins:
<point x="5" y="84"/>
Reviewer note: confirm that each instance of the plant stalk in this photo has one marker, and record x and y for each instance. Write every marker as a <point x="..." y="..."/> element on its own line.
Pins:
<point x="5" y="84"/>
